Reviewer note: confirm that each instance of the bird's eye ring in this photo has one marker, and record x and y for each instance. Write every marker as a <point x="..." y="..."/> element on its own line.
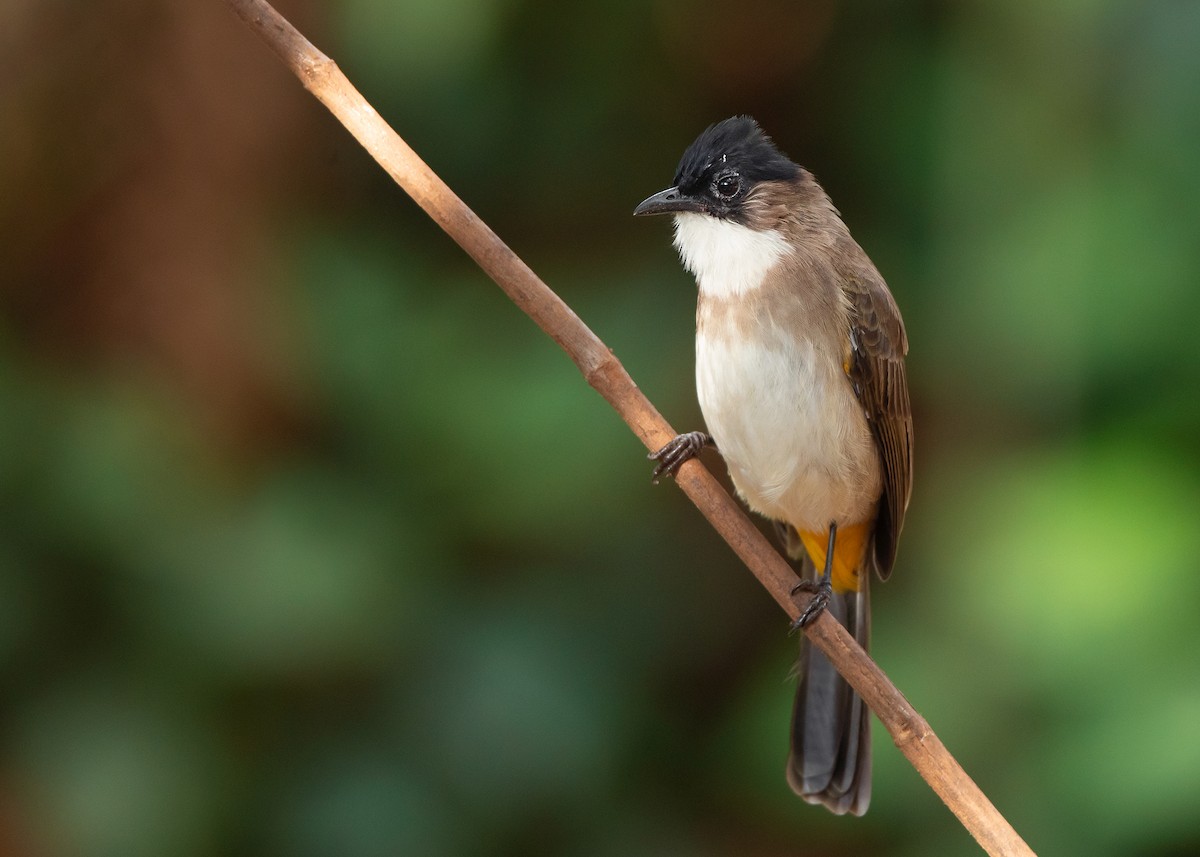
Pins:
<point x="727" y="185"/>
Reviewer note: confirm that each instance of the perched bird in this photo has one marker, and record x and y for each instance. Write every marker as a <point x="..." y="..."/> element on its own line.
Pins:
<point x="800" y="376"/>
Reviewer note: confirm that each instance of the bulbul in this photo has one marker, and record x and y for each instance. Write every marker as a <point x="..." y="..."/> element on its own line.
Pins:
<point x="800" y="375"/>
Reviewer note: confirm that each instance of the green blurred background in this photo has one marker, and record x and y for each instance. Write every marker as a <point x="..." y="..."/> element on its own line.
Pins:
<point x="312" y="544"/>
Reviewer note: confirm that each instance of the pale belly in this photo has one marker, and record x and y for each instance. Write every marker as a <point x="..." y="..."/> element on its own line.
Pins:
<point x="797" y="444"/>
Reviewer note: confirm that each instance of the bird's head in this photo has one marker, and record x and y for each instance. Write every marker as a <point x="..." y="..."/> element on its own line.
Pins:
<point x="720" y="170"/>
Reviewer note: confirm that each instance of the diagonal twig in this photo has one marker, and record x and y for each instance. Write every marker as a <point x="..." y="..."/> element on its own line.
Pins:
<point x="321" y="76"/>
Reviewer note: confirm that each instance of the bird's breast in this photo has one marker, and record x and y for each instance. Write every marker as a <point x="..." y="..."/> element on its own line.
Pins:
<point x="785" y="418"/>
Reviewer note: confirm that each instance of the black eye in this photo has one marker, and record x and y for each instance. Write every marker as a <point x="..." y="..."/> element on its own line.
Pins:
<point x="728" y="185"/>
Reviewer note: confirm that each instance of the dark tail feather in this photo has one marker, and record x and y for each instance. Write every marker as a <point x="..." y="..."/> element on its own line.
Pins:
<point x="830" y="762"/>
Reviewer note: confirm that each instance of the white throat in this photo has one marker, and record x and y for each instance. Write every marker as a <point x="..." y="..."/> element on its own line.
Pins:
<point x="727" y="259"/>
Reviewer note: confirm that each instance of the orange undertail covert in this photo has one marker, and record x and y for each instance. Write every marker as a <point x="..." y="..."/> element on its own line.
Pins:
<point x="848" y="550"/>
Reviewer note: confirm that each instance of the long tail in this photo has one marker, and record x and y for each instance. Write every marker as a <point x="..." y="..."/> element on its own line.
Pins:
<point x="830" y="760"/>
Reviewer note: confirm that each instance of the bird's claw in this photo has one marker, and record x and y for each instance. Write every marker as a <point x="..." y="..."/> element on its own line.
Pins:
<point x="822" y="591"/>
<point x="681" y="448"/>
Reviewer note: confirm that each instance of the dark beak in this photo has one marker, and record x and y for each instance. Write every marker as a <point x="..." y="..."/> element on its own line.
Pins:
<point x="669" y="201"/>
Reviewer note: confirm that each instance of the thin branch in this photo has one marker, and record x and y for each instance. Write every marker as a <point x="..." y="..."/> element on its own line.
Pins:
<point x="608" y="377"/>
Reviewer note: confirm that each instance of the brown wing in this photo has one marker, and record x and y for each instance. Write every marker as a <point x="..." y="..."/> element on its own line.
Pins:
<point x="878" y="344"/>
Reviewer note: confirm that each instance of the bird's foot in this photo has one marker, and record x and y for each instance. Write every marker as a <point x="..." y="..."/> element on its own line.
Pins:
<point x="681" y="448"/>
<point x="822" y="591"/>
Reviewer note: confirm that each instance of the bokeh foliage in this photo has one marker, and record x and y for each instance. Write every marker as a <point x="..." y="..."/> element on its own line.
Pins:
<point x="311" y="544"/>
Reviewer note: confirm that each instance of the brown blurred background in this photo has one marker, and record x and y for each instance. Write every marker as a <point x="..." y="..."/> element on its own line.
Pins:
<point x="311" y="544"/>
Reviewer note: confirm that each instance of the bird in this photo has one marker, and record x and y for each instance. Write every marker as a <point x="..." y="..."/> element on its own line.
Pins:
<point x="800" y="377"/>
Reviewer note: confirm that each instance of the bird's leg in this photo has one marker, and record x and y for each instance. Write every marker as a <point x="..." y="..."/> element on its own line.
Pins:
<point x="682" y="448"/>
<point x="821" y="588"/>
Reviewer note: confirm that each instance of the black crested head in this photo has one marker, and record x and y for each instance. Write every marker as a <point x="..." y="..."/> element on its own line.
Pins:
<point x="726" y="161"/>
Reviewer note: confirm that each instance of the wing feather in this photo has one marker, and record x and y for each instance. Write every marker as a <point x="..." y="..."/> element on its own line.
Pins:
<point x="879" y="345"/>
